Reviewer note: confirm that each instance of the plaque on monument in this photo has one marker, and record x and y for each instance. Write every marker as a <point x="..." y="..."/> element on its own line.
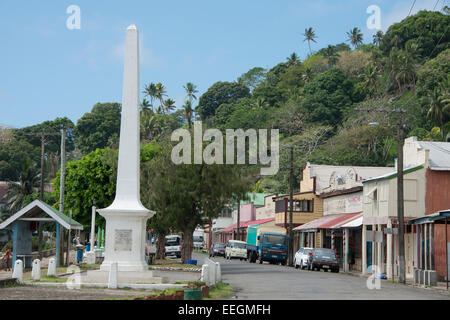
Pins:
<point x="122" y="240"/>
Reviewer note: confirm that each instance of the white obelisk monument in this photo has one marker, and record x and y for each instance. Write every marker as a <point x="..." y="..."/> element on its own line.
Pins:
<point x="126" y="217"/>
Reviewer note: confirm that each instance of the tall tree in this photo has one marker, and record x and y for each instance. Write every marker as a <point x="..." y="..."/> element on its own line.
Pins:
<point x="160" y="93"/>
<point x="150" y="91"/>
<point x="94" y="129"/>
<point x="188" y="112"/>
<point x="377" y="37"/>
<point x="293" y="59"/>
<point x="438" y="110"/>
<point x="191" y="90"/>
<point x="169" y="105"/>
<point x="309" y="35"/>
<point x="29" y="178"/>
<point x="355" y="37"/>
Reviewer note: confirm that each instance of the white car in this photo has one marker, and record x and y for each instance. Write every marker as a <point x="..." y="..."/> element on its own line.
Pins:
<point x="236" y="249"/>
<point x="301" y="257"/>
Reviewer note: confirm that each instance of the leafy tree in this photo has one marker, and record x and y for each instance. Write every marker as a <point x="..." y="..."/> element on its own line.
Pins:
<point x="433" y="73"/>
<point x="219" y="93"/>
<point x="252" y="78"/>
<point x="202" y="190"/>
<point x="316" y="63"/>
<point x="309" y="35"/>
<point x="189" y="112"/>
<point x="331" y="54"/>
<point x="353" y="63"/>
<point x="12" y="154"/>
<point x="438" y="110"/>
<point x="94" y="129"/>
<point x="327" y="97"/>
<point x="87" y="179"/>
<point x="428" y="29"/>
<point x="355" y="37"/>
<point x="29" y="178"/>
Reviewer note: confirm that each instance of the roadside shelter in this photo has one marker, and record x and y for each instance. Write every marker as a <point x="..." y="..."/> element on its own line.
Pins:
<point x="25" y="221"/>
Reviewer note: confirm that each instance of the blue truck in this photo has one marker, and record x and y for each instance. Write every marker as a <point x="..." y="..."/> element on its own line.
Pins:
<point x="267" y="243"/>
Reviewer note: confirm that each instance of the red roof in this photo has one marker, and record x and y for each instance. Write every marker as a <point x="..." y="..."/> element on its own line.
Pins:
<point x="328" y="222"/>
<point x="246" y="224"/>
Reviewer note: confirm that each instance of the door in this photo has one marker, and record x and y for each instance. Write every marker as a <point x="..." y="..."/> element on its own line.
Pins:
<point x="369" y="256"/>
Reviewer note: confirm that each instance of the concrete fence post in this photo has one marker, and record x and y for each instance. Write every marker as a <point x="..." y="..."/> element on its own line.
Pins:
<point x="18" y="271"/>
<point x="113" y="283"/>
<point x="51" y="267"/>
<point x="36" y="271"/>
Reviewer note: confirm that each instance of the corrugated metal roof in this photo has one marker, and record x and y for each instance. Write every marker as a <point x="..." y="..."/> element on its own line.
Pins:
<point x="439" y="156"/>
<point x="246" y="224"/>
<point x="327" y="222"/>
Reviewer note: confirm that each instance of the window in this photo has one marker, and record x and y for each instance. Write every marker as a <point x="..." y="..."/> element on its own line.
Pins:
<point x="302" y="206"/>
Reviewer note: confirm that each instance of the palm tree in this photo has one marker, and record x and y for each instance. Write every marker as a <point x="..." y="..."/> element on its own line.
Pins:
<point x="145" y="107"/>
<point x="332" y="55"/>
<point x="191" y="90"/>
<point x="29" y="179"/>
<point x="160" y="92"/>
<point x="438" y="110"/>
<point x="150" y="91"/>
<point x="370" y="77"/>
<point x="308" y="75"/>
<point x="188" y="111"/>
<point x="310" y="35"/>
<point x="355" y="37"/>
<point x="169" y="105"/>
<point x="293" y="59"/>
<point x="377" y="37"/>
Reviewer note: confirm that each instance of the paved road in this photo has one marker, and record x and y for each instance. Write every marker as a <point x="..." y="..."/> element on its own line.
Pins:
<point x="274" y="282"/>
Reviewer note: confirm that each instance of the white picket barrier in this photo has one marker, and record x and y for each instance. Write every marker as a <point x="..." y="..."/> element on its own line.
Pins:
<point x="213" y="271"/>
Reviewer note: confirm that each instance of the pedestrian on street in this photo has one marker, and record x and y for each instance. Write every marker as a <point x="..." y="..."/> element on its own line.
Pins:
<point x="7" y="257"/>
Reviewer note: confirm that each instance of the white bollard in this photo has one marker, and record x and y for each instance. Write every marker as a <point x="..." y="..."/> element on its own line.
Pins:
<point x="112" y="284"/>
<point x="218" y="273"/>
<point x="90" y="257"/>
<point x="36" y="271"/>
<point x="205" y="273"/>
<point x="18" y="271"/>
<point x="51" y="267"/>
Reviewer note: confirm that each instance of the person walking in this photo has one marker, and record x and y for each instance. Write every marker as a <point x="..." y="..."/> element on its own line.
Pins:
<point x="7" y="257"/>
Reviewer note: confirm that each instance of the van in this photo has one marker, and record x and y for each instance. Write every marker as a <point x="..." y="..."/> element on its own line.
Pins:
<point x="173" y="246"/>
<point x="236" y="249"/>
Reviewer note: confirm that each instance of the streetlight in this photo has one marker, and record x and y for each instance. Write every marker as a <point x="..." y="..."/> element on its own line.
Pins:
<point x="400" y="194"/>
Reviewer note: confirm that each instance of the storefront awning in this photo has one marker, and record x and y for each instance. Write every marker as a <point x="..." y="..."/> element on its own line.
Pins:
<point x="246" y="224"/>
<point x="432" y="218"/>
<point x="328" y="222"/>
<point x="355" y="222"/>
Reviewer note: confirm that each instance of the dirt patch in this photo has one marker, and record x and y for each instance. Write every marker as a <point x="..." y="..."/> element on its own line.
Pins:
<point x="52" y="293"/>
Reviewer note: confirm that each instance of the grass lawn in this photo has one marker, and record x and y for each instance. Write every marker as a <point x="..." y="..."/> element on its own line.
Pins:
<point x="221" y="290"/>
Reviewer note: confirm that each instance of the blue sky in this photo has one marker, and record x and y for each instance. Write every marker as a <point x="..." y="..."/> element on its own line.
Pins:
<point x="48" y="71"/>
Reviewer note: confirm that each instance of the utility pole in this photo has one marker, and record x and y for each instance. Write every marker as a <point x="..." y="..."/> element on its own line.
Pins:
<point x="400" y="193"/>
<point x="238" y="219"/>
<point x="41" y="193"/>
<point x="61" y="189"/>
<point x="400" y="199"/>
<point x="291" y="205"/>
<point x="68" y="240"/>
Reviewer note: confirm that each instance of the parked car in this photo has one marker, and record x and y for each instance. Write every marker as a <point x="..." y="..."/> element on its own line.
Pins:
<point x="325" y="259"/>
<point x="217" y="249"/>
<point x="301" y="257"/>
<point x="236" y="249"/>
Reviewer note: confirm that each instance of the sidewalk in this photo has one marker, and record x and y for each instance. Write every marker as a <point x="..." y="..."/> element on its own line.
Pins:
<point x="441" y="286"/>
